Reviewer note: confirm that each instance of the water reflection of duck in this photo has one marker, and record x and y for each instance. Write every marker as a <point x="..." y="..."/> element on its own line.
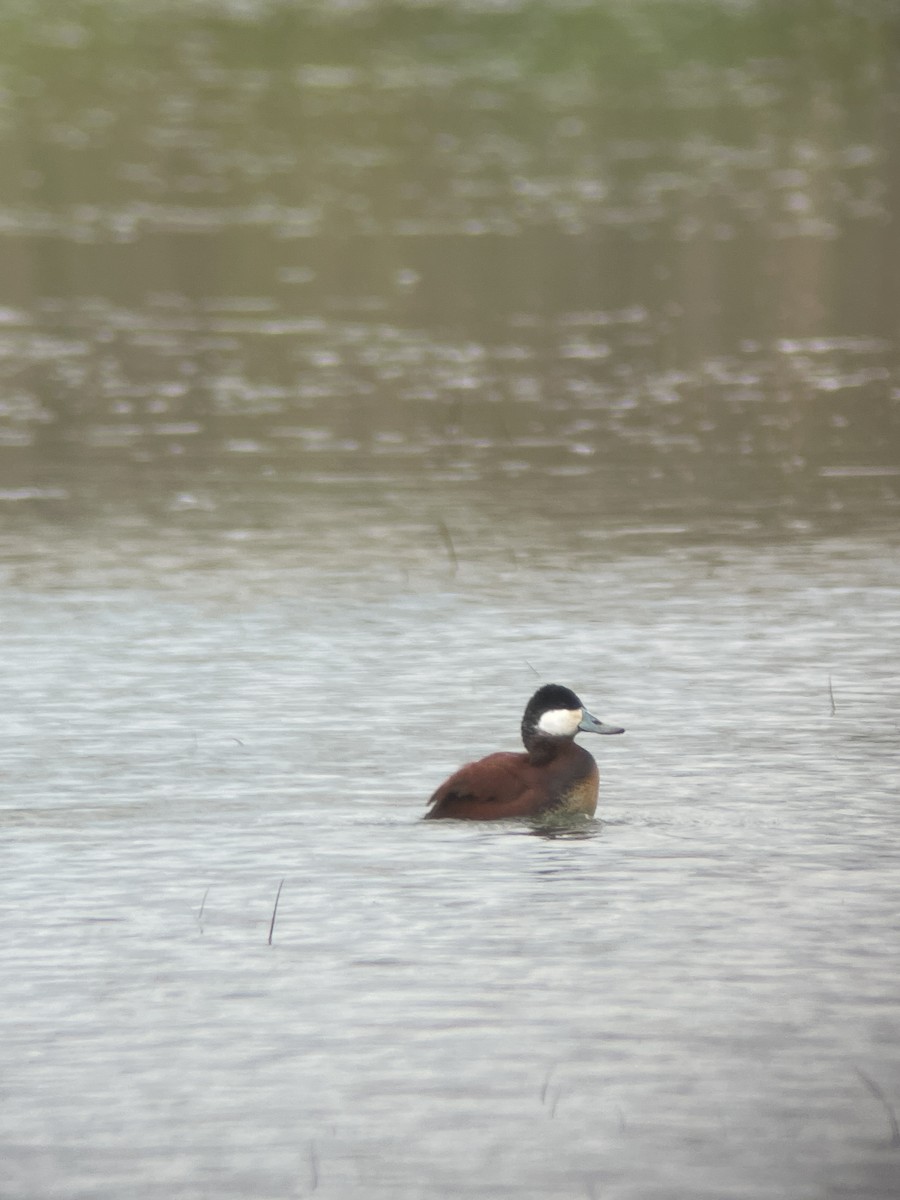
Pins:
<point x="554" y="775"/>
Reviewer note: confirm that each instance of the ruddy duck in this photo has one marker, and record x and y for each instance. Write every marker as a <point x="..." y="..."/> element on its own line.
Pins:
<point x="555" y="775"/>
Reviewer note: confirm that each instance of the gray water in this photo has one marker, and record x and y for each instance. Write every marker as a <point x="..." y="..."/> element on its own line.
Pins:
<point x="361" y="368"/>
<point x="676" y="999"/>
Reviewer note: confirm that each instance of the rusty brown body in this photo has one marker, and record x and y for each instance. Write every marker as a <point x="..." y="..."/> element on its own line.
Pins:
<point x="555" y="776"/>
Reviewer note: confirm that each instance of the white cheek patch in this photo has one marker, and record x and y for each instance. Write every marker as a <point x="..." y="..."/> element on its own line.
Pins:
<point x="560" y="722"/>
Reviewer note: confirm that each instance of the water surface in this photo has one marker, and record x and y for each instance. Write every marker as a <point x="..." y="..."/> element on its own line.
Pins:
<point x="364" y="367"/>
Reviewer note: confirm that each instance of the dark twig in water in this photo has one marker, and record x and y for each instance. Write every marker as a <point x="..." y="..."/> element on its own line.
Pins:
<point x="202" y="906"/>
<point x="886" y="1104"/>
<point x="275" y="911"/>
<point x="448" y="542"/>
<point x="531" y="668"/>
<point x="313" y="1167"/>
<point x="550" y="1096"/>
<point x="831" y="697"/>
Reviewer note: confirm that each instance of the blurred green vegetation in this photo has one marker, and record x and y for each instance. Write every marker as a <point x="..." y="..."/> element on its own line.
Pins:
<point x="687" y="210"/>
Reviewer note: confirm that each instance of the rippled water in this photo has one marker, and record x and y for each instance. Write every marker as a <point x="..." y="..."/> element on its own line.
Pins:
<point x="362" y="367"/>
<point x="675" y="999"/>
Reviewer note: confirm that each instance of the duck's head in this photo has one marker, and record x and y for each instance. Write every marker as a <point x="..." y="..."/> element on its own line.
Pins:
<point x="555" y="711"/>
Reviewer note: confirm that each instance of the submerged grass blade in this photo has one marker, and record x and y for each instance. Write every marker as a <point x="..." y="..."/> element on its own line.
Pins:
<point x="885" y="1103"/>
<point x="275" y="911"/>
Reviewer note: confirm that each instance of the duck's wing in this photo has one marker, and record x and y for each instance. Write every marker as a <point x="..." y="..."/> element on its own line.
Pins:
<point x="492" y="788"/>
